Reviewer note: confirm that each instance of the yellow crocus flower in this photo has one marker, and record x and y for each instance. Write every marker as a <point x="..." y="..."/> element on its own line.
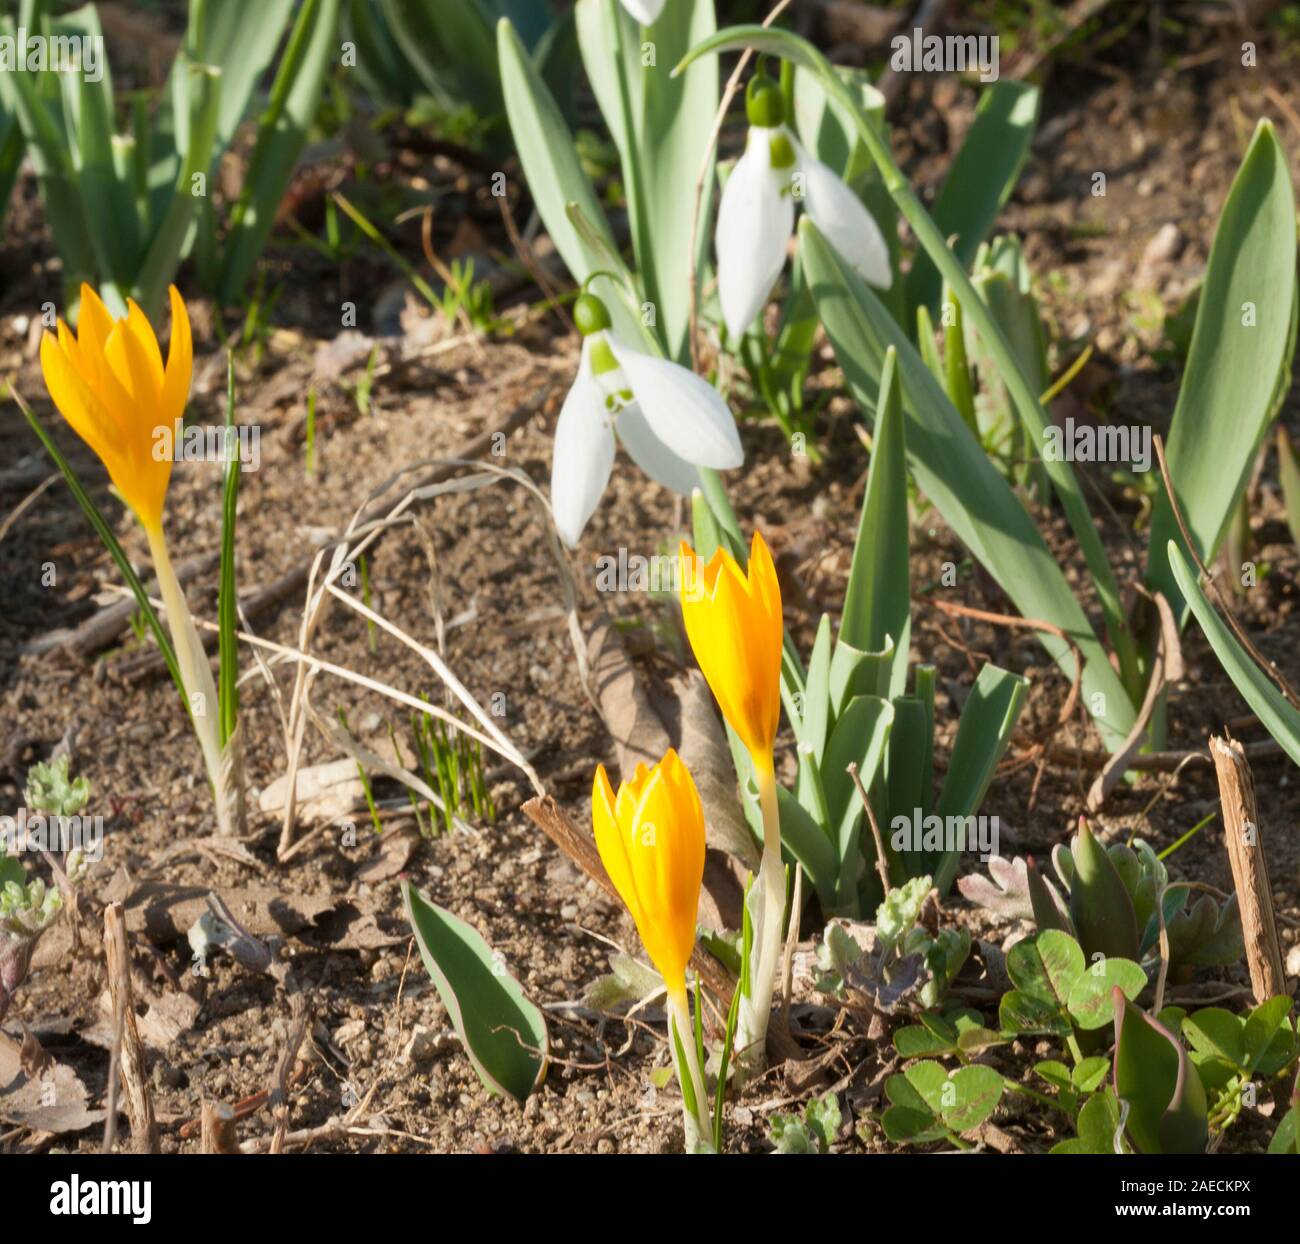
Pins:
<point x="733" y="620"/>
<point x="651" y="841"/>
<point x="108" y="381"/>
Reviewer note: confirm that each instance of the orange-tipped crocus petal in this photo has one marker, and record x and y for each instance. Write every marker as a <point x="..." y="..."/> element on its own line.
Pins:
<point x="180" y="362"/>
<point x="651" y="839"/>
<point x="733" y="621"/>
<point x="109" y="383"/>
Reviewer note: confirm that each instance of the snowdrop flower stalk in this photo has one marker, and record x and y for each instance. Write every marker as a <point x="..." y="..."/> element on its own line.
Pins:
<point x="670" y="420"/>
<point x="645" y="11"/>
<point x="756" y="214"/>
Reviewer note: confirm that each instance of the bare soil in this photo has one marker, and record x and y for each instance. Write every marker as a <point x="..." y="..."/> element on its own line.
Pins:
<point x="1168" y="131"/>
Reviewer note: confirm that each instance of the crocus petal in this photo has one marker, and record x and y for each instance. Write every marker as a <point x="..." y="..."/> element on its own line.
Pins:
<point x="645" y="11"/>
<point x="94" y="322"/>
<point x="847" y="224"/>
<point x="142" y="331"/>
<point x="75" y="402"/>
<point x="652" y="455"/>
<point x="612" y="842"/>
<point x="651" y="841"/>
<point x="755" y="221"/>
<point x="684" y="411"/>
<point x="583" y="456"/>
<point x="180" y="361"/>
<point x="733" y="622"/>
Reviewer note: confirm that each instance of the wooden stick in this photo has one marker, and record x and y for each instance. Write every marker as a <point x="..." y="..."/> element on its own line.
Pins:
<point x="135" y="1084"/>
<point x="1249" y="868"/>
<point x="218" y="1129"/>
<point x="101" y="630"/>
<point x="284" y="1068"/>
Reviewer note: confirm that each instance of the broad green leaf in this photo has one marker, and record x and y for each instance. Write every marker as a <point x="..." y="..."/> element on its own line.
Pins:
<point x="1046" y="966"/>
<point x="809" y="843"/>
<point x="1167" y="1106"/>
<point x="1089" y="1074"/>
<point x="859" y="737"/>
<point x="666" y="147"/>
<point x="1238" y="345"/>
<point x="909" y="776"/>
<point x="980" y="180"/>
<point x="451" y="47"/>
<point x="811" y="728"/>
<point x="1098" y="1122"/>
<point x="928" y="1079"/>
<point x="1288" y="474"/>
<point x="1287" y="1137"/>
<point x="917" y="1041"/>
<point x="908" y="1125"/>
<point x="877" y="601"/>
<point x="1268" y="703"/>
<point x="504" y="1034"/>
<point x="556" y="179"/>
<point x="1212" y="1030"/>
<point x="1021" y="1012"/>
<point x="1261" y="1027"/>
<point x="970" y="1096"/>
<point x="953" y="471"/>
<point x="1090" y="1002"/>
<point x="1056" y="1073"/>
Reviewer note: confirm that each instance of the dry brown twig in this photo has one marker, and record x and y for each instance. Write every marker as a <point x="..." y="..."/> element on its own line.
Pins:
<point x="128" y="1051"/>
<point x="1245" y="844"/>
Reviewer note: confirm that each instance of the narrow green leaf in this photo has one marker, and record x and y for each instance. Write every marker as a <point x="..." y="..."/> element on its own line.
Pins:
<point x="1243" y="324"/>
<point x="555" y="175"/>
<point x="980" y="180"/>
<point x="877" y="601"/>
<point x="987" y="722"/>
<point x="1279" y="718"/>
<point x="227" y="597"/>
<point x="281" y="135"/>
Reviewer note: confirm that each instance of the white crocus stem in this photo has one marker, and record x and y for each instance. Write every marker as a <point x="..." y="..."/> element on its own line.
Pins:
<point x="645" y="11"/>
<point x="755" y="221"/>
<point x="765" y="960"/>
<point x="697" y="1126"/>
<point x="196" y="674"/>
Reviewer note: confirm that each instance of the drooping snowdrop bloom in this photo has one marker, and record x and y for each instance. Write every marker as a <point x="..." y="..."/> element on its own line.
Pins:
<point x="756" y="214"/>
<point x="645" y="11"/>
<point x="669" y="419"/>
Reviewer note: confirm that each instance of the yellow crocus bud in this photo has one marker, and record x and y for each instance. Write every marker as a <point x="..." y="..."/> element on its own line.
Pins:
<point x="733" y="620"/>
<point x="651" y="841"/>
<point x="108" y="381"/>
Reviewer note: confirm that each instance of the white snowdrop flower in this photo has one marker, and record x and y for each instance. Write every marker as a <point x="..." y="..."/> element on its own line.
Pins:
<point x="645" y="11"/>
<point x="669" y="419"/>
<point x="756" y="214"/>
